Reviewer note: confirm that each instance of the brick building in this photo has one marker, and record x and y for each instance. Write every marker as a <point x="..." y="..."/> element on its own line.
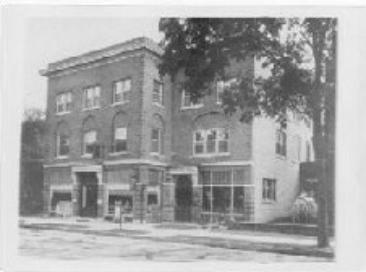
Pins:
<point x="120" y="134"/>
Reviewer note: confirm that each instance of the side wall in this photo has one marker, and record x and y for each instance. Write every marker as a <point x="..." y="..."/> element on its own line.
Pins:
<point x="285" y="169"/>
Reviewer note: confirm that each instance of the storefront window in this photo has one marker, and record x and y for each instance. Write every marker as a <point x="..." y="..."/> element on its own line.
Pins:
<point x="124" y="200"/>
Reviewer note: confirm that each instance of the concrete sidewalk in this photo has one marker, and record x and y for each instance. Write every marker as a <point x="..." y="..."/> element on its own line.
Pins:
<point x="187" y="233"/>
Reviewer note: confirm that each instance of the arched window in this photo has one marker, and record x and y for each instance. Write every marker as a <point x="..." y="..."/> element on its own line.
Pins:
<point x="90" y="137"/>
<point x="62" y="140"/>
<point x="119" y="133"/>
<point x="157" y="135"/>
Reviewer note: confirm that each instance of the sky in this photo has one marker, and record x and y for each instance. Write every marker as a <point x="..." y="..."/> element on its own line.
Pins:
<point x="49" y="40"/>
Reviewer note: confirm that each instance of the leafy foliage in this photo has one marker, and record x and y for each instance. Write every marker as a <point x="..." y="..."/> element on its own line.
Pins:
<point x="292" y="50"/>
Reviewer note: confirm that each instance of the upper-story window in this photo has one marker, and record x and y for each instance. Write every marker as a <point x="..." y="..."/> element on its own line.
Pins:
<point x="91" y="97"/>
<point x="221" y="85"/>
<point x="120" y="139"/>
<point x="63" y="145"/>
<point x="157" y="96"/>
<point x="155" y="141"/>
<point x="121" y="91"/>
<point x="63" y="102"/>
<point x="62" y="140"/>
<point x="211" y="141"/>
<point x="89" y="142"/>
<point x="281" y="141"/>
<point x="269" y="189"/>
<point x="188" y="102"/>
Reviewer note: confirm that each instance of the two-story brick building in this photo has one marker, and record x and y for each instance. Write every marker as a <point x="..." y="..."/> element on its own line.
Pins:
<point x="118" y="133"/>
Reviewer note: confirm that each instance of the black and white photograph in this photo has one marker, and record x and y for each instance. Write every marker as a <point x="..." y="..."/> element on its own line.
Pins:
<point x="171" y="138"/>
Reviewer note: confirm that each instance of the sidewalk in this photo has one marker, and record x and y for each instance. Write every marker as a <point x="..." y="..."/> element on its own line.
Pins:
<point x="187" y="233"/>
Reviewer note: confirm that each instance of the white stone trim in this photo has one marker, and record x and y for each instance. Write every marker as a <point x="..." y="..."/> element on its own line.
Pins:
<point x="228" y="163"/>
<point x="87" y="168"/>
<point x="61" y="187"/>
<point x="118" y="186"/>
<point x="135" y="161"/>
<point x="184" y="170"/>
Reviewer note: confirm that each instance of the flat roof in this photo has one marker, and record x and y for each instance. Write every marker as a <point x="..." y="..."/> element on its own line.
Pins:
<point x="107" y="52"/>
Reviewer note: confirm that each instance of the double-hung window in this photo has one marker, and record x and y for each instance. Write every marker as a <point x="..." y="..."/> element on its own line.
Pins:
<point x="91" y="97"/>
<point x="269" y="189"/>
<point x="188" y="102"/>
<point x="211" y="141"/>
<point x="63" y="145"/>
<point x="89" y="142"/>
<point x="157" y="96"/>
<point x="120" y="139"/>
<point x="221" y="85"/>
<point x="281" y="142"/>
<point x="155" y="141"/>
<point x="63" y="102"/>
<point x="121" y="91"/>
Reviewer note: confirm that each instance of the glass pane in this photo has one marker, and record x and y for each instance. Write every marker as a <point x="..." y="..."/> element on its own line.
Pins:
<point x="221" y="199"/>
<point x="238" y="199"/>
<point x="120" y="134"/>
<point x="121" y="145"/>
<point x="198" y="148"/>
<point x="223" y="146"/>
<point x="206" y="199"/>
<point x="206" y="177"/>
<point x="221" y="177"/>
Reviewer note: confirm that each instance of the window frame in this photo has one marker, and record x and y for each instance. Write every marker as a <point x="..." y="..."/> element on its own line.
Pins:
<point x="225" y="83"/>
<point x="192" y="105"/>
<point x="114" y="149"/>
<point x="58" y="142"/>
<point x="281" y="142"/>
<point x="159" y="152"/>
<point x="84" y="154"/>
<point x="94" y="97"/>
<point x="159" y="103"/>
<point x="217" y="141"/>
<point x="267" y="195"/>
<point x="66" y="110"/>
<point x="114" y="91"/>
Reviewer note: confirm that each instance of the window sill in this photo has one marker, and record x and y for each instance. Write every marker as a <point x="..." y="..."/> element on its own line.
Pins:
<point x="119" y="103"/>
<point x="211" y="155"/>
<point x="62" y="113"/>
<point x="269" y="202"/>
<point x="62" y="157"/>
<point x="192" y="107"/>
<point x="158" y="105"/>
<point x="113" y="154"/>
<point x="281" y="157"/>
<point x="89" y="109"/>
<point x="87" y="156"/>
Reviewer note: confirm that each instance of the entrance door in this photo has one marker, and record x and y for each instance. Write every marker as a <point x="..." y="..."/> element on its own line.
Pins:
<point x="88" y="194"/>
<point x="183" y="198"/>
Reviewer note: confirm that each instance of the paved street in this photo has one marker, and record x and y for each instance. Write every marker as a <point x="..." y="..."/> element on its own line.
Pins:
<point x="70" y="240"/>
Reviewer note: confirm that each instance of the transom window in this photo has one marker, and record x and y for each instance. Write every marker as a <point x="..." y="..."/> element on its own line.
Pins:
<point x="211" y="141"/>
<point x="63" y="102"/>
<point x="63" y="145"/>
<point x="156" y="141"/>
<point x="188" y="102"/>
<point x="89" y="143"/>
<point x="269" y="189"/>
<point x="157" y="97"/>
<point x="120" y="139"/>
<point x="91" y="97"/>
<point x="281" y="142"/>
<point x="121" y="91"/>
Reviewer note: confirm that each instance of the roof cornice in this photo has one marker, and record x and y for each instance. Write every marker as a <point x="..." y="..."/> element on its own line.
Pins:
<point x="98" y="55"/>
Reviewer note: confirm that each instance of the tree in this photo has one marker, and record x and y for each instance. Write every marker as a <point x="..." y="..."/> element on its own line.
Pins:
<point x="294" y="52"/>
<point x="31" y="164"/>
